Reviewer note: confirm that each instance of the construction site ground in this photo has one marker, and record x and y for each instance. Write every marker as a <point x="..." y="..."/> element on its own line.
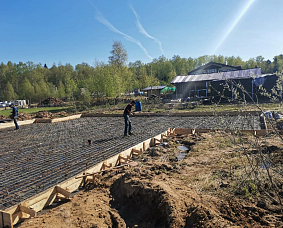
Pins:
<point x="163" y="189"/>
<point x="39" y="156"/>
<point x="201" y="187"/>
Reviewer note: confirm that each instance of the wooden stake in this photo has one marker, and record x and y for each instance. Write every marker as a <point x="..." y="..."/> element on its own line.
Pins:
<point x="27" y="210"/>
<point x="63" y="192"/>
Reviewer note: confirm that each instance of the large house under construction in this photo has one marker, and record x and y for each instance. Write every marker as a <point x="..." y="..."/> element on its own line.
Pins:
<point x="222" y="81"/>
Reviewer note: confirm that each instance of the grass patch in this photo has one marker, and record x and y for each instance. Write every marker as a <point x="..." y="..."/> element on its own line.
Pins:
<point x="35" y="110"/>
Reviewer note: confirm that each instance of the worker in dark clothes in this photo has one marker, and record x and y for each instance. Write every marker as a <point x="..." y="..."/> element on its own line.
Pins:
<point x="14" y="115"/>
<point x="127" y="113"/>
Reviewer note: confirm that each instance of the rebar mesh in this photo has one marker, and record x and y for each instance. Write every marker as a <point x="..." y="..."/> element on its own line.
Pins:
<point x="40" y="156"/>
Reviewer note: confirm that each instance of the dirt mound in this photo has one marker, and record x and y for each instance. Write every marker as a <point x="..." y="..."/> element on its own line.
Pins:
<point x="50" y="115"/>
<point x="163" y="191"/>
<point x="24" y="116"/>
<point x="21" y="116"/>
<point x="61" y="114"/>
<point x="44" y="114"/>
<point x="3" y="117"/>
<point x="53" y="102"/>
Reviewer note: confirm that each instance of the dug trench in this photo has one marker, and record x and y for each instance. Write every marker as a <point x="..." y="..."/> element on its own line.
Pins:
<point x="160" y="191"/>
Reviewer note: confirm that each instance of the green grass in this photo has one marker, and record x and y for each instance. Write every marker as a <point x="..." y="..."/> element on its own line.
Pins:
<point x="35" y="110"/>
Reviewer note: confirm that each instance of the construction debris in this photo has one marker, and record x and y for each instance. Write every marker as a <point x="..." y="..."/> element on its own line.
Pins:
<point x="44" y="114"/>
<point x="52" y="101"/>
<point x="24" y="116"/>
<point x="3" y="117"/>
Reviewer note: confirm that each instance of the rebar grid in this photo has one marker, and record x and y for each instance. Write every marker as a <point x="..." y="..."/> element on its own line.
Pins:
<point x="40" y="156"/>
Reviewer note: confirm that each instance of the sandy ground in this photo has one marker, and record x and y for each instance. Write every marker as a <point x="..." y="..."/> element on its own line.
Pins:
<point x="205" y="189"/>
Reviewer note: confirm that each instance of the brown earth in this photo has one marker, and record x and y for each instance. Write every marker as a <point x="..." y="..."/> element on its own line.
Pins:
<point x="40" y="114"/>
<point x="46" y="114"/>
<point x="52" y="101"/>
<point x="21" y="116"/>
<point x="205" y="189"/>
<point x="24" y="116"/>
<point x="3" y="117"/>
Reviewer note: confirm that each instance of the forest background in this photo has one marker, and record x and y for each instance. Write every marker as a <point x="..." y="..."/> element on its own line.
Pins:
<point x="36" y="82"/>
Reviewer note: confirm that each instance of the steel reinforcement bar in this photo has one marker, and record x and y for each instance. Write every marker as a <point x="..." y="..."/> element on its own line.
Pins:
<point x="39" y="157"/>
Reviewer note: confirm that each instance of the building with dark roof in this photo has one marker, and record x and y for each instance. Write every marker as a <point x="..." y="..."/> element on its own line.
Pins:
<point x="213" y="67"/>
<point x="216" y="80"/>
<point x="153" y="90"/>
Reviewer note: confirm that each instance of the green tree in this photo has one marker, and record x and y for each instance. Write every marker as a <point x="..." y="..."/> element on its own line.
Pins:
<point x="27" y="90"/>
<point x="9" y="93"/>
<point x="41" y="90"/>
<point x="119" y="55"/>
<point x="51" y="90"/>
<point x="278" y="63"/>
<point x="180" y="65"/>
<point x="140" y="77"/>
<point x="119" y="69"/>
<point x="251" y="63"/>
<point x="3" y="79"/>
<point x="60" y="90"/>
<point x="70" y="85"/>
<point x="269" y="66"/>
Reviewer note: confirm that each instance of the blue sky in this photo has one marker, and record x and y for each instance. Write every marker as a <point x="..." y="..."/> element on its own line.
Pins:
<point x="72" y="31"/>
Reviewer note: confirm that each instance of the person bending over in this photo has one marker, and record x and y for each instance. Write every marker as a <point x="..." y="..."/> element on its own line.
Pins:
<point x="128" y="124"/>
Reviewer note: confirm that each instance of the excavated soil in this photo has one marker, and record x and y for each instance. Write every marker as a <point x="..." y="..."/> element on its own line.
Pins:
<point x="40" y="114"/>
<point x="50" y="115"/>
<point x="53" y="101"/>
<point x="159" y="190"/>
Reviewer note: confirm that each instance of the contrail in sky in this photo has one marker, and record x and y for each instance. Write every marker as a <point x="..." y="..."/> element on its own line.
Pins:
<point x="247" y="6"/>
<point x="142" y="30"/>
<point x="102" y="20"/>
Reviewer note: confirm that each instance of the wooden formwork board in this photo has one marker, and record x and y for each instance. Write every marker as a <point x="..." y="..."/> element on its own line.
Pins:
<point x="43" y="120"/>
<point x="28" y="208"/>
<point x="183" y="131"/>
<point x="20" y="123"/>
<point x="5" y="220"/>
<point x="73" y="117"/>
<point x="56" y="120"/>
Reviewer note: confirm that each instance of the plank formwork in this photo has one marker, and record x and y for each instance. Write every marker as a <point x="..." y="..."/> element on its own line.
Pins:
<point x="31" y="206"/>
<point x="55" y="156"/>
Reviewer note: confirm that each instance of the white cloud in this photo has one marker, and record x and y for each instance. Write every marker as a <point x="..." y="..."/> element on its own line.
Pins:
<point x="102" y="20"/>
<point x="142" y="30"/>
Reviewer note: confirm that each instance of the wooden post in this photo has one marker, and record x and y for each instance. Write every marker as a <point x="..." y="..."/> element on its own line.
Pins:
<point x="27" y="210"/>
<point x="5" y="220"/>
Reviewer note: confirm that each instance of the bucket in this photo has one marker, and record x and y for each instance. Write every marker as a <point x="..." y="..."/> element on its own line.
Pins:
<point x="138" y="106"/>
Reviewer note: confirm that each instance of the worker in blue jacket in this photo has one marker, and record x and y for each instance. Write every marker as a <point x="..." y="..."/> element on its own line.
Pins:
<point x="14" y="115"/>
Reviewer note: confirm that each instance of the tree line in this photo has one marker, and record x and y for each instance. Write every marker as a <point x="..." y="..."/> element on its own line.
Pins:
<point x="36" y="82"/>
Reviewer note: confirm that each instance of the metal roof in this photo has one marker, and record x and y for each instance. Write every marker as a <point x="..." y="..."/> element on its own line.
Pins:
<point x="217" y="65"/>
<point x="155" y="87"/>
<point x="221" y="76"/>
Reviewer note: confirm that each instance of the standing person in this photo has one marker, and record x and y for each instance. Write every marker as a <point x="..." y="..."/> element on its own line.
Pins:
<point x="14" y="115"/>
<point x="127" y="113"/>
